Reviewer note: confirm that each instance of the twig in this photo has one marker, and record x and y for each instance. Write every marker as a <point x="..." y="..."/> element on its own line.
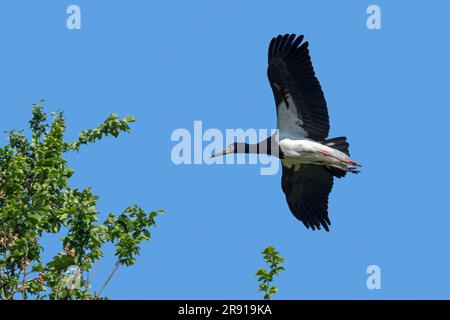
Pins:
<point x="116" y="266"/>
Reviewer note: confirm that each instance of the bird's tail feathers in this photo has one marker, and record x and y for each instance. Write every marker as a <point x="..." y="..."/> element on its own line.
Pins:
<point x="339" y="143"/>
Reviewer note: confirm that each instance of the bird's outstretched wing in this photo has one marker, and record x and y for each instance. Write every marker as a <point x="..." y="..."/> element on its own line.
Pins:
<point x="307" y="191"/>
<point x="301" y="106"/>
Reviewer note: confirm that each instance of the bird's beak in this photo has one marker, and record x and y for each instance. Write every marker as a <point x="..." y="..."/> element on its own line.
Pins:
<point x="220" y="153"/>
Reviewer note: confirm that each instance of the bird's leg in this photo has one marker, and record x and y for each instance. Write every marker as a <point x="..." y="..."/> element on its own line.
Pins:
<point x="352" y="166"/>
<point x="353" y="170"/>
<point x="351" y="162"/>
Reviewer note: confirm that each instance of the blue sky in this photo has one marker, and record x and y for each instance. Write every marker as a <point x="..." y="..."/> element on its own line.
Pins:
<point x="173" y="62"/>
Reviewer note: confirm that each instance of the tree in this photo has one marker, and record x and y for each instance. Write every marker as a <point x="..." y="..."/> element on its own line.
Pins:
<point x="35" y="198"/>
<point x="273" y="261"/>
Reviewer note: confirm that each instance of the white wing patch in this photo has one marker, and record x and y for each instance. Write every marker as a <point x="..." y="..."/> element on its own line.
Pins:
<point x="289" y="122"/>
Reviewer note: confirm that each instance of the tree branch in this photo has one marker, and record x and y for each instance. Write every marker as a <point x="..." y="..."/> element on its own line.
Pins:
<point x="116" y="266"/>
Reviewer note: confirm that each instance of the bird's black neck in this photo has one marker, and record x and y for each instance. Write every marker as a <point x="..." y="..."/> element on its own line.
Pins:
<point x="268" y="146"/>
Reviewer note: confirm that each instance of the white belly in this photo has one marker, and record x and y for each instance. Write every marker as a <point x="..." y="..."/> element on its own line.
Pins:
<point x="305" y="151"/>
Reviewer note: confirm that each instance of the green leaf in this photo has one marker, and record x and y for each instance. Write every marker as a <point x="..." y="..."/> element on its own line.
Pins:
<point x="129" y="119"/>
<point x="113" y="116"/>
<point x="61" y="262"/>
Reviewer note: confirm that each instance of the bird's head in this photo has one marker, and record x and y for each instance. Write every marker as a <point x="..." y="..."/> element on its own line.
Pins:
<point x="236" y="147"/>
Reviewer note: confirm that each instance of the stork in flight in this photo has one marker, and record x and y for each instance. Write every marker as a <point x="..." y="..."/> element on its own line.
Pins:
<point x="309" y="159"/>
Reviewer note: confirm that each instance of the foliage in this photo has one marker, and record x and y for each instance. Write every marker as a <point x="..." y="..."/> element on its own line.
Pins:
<point x="273" y="261"/>
<point x="36" y="199"/>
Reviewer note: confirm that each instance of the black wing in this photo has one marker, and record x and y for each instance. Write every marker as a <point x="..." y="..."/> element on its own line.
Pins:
<point x="301" y="106"/>
<point x="307" y="191"/>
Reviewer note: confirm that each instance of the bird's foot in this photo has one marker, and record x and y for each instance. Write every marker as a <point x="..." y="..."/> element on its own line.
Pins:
<point x="326" y="153"/>
<point x="352" y="163"/>
<point x="354" y="170"/>
<point x="352" y="166"/>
